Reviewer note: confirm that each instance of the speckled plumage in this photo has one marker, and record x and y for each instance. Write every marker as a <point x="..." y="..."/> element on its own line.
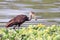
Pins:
<point x="18" y="20"/>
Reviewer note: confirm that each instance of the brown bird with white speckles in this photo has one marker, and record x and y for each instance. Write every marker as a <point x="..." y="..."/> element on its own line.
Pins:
<point x="19" y="19"/>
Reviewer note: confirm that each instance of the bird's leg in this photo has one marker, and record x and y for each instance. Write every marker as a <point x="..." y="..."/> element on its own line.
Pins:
<point x="14" y="27"/>
<point x="18" y="26"/>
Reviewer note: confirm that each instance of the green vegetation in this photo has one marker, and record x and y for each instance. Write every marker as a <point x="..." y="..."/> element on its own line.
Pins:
<point x="33" y="32"/>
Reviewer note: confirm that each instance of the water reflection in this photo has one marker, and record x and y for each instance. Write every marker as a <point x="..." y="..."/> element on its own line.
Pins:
<point x="15" y="7"/>
<point x="56" y="3"/>
<point x="11" y="12"/>
<point x="32" y="22"/>
<point x="46" y="4"/>
<point x="2" y="3"/>
<point x="25" y="10"/>
<point x="54" y="9"/>
<point x="22" y="5"/>
<point x="10" y="0"/>
<point x="37" y="1"/>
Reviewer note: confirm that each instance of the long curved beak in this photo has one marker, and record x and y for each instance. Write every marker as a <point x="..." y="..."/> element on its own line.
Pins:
<point x="35" y="17"/>
<point x="32" y="15"/>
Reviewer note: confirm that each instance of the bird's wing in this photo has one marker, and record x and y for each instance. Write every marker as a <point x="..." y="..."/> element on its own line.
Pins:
<point x="9" y="24"/>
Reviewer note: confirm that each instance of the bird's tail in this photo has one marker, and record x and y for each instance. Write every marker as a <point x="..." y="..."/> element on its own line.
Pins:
<point x="9" y="24"/>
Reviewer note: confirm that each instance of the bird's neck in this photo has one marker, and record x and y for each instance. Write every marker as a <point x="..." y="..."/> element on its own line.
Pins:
<point x="30" y="17"/>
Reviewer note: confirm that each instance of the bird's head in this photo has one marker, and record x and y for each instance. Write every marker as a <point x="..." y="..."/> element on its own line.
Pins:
<point x="32" y="15"/>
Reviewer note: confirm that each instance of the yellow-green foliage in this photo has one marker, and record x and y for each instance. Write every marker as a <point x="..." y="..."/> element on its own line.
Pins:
<point x="33" y="32"/>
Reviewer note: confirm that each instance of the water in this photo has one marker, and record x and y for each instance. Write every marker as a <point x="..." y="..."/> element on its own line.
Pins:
<point x="32" y="22"/>
<point x="11" y="8"/>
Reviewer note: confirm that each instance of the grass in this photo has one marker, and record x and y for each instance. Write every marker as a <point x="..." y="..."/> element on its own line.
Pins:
<point x="32" y="32"/>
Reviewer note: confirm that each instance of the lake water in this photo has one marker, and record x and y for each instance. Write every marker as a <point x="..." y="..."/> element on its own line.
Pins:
<point x="11" y="8"/>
